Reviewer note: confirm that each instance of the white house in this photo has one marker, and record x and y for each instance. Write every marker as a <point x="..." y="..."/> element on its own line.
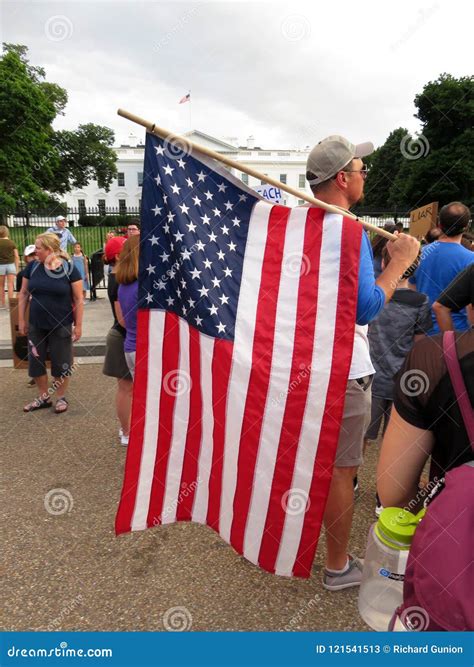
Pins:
<point x="287" y="166"/>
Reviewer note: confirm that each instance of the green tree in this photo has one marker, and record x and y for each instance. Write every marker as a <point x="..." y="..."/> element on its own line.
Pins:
<point x="436" y="165"/>
<point x="385" y="164"/>
<point x="37" y="163"/>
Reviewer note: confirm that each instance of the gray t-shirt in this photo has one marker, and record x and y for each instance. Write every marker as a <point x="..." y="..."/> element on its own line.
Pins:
<point x="391" y="336"/>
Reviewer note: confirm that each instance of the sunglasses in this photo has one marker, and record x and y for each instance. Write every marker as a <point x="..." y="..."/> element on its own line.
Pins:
<point x="363" y="171"/>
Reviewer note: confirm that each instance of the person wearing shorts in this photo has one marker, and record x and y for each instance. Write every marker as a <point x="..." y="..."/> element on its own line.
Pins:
<point x="9" y="264"/>
<point x="53" y="289"/>
<point x="115" y="364"/>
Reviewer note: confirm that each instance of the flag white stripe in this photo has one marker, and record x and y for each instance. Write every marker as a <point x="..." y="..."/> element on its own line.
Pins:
<point x="283" y="344"/>
<point x="156" y="328"/>
<point x="181" y="386"/>
<point x="321" y="364"/>
<point x="201" y="498"/>
<point x="242" y="358"/>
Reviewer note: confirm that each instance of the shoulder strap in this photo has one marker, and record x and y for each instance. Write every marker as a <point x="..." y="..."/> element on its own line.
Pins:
<point x="462" y="397"/>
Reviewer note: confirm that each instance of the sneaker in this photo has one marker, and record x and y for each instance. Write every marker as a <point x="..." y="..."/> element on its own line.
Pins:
<point x="124" y="440"/>
<point x="31" y="383"/>
<point x="378" y="505"/>
<point x="355" y="481"/>
<point x="351" y="577"/>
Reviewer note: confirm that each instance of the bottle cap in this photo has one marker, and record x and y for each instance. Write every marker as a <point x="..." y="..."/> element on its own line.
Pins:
<point x="396" y="527"/>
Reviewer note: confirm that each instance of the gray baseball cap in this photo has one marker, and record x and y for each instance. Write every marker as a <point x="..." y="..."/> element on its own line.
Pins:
<point x="331" y="155"/>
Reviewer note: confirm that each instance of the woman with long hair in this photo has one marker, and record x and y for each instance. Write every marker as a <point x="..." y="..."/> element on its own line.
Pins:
<point x="52" y="287"/>
<point x="378" y="244"/>
<point x="127" y="305"/>
<point x="115" y="364"/>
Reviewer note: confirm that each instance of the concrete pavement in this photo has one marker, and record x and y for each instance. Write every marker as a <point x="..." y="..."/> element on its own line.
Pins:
<point x="63" y="567"/>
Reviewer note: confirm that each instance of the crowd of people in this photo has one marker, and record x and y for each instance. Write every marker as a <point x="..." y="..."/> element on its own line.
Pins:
<point x="405" y="302"/>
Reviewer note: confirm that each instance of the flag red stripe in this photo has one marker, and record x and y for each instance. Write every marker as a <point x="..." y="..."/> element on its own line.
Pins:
<point x="260" y="373"/>
<point x="221" y="365"/>
<point x="170" y="361"/>
<point x="194" y="434"/>
<point x="123" y="521"/>
<point x="296" y="398"/>
<point x="331" y="424"/>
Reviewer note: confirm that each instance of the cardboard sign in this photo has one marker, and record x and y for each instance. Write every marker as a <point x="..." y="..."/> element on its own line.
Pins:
<point x="423" y="219"/>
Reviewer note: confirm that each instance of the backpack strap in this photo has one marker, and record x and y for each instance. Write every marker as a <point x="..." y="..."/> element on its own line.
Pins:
<point x="462" y="397"/>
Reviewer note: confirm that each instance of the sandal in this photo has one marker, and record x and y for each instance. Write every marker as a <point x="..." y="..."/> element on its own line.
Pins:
<point x="61" y="405"/>
<point x="38" y="404"/>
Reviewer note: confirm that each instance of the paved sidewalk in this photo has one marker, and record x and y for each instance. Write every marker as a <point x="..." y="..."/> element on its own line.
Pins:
<point x="68" y="570"/>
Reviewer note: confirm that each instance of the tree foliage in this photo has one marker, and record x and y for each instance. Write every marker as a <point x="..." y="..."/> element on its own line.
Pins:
<point x="438" y="164"/>
<point x="38" y="162"/>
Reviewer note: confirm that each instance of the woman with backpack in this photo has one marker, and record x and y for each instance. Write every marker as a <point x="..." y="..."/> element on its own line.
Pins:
<point x="52" y="287"/>
<point x="433" y="416"/>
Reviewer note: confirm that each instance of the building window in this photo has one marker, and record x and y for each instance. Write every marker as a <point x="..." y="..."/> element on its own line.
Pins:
<point x="122" y="206"/>
<point x="301" y="202"/>
<point x="282" y="178"/>
<point x="101" y="206"/>
<point x="245" y="178"/>
<point x="302" y="181"/>
<point x="140" y="178"/>
<point x="81" y="204"/>
<point x="263" y="182"/>
<point x="121" y="179"/>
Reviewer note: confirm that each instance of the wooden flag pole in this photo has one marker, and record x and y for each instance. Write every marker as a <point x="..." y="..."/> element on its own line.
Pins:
<point x="170" y="136"/>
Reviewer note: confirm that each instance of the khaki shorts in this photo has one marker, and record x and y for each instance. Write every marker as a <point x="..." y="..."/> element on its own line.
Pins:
<point x="115" y="364"/>
<point x="355" y="421"/>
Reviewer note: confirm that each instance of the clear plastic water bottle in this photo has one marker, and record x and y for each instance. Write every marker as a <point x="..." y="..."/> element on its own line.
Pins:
<point x="381" y="588"/>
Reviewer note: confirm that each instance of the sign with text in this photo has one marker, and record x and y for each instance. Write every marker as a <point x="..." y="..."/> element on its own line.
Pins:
<point x="423" y="219"/>
<point x="269" y="192"/>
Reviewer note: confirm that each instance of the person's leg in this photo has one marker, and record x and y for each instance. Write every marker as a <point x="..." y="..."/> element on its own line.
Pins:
<point x="340" y="503"/>
<point x="338" y="516"/>
<point x="10" y="285"/>
<point x="37" y="348"/>
<point x="60" y="352"/>
<point x="123" y="403"/>
<point x="2" y="291"/>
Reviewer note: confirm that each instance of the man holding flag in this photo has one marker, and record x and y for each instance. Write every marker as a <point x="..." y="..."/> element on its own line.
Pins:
<point x="245" y="340"/>
<point x="336" y="174"/>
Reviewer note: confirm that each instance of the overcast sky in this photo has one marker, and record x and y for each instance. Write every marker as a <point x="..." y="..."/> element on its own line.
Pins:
<point x="289" y="74"/>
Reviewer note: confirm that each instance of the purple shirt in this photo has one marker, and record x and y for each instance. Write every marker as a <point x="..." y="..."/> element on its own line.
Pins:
<point x="128" y="300"/>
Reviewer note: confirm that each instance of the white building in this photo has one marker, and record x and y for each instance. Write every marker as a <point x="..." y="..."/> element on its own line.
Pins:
<point x="287" y="166"/>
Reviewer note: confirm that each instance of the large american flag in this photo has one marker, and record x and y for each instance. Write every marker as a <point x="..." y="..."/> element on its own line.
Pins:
<point x="245" y="335"/>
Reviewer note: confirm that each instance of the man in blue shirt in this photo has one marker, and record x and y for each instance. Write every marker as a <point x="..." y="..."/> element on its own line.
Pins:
<point x="62" y="233"/>
<point x="337" y="174"/>
<point x="443" y="260"/>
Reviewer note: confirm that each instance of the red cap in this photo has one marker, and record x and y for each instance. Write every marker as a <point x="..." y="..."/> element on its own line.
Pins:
<point x="113" y="247"/>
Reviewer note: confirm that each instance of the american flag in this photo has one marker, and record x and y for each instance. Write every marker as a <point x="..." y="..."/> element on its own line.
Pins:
<point x="245" y="335"/>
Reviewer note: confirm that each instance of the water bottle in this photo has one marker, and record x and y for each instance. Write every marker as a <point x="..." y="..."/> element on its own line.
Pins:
<point x="381" y="588"/>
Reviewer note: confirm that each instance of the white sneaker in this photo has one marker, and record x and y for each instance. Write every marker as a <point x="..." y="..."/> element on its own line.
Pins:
<point x="124" y="440"/>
